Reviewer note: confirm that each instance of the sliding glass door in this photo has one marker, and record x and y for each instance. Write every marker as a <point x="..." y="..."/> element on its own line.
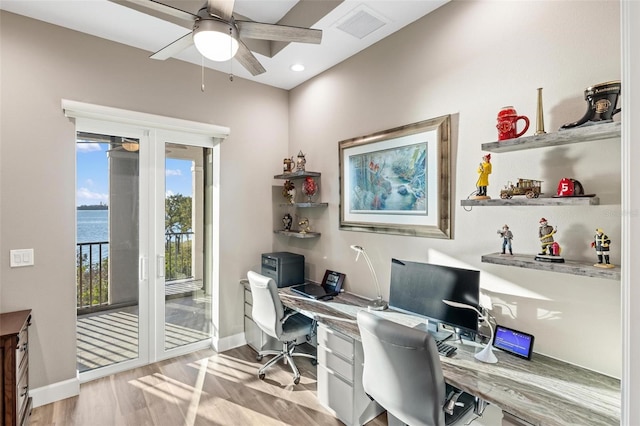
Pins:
<point x="144" y="238"/>
<point x="187" y="245"/>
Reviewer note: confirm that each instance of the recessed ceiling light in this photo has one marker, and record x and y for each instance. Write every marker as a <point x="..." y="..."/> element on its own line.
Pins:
<point x="297" y="67"/>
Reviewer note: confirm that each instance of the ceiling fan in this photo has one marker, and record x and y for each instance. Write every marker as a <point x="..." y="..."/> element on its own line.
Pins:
<point x="218" y="35"/>
<point x="128" y="144"/>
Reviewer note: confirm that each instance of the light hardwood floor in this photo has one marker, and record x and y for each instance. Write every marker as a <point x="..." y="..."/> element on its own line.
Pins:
<point x="206" y="388"/>
<point x="202" y="388"/>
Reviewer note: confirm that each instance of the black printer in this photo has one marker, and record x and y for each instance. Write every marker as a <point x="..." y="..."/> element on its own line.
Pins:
<point x="285" y="268"/>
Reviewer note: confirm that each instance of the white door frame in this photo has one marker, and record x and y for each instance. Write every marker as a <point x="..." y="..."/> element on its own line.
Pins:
<point x="153" y="131"/>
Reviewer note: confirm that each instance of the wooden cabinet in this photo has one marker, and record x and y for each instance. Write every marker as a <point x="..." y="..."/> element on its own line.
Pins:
<point x="340" y="390"/>
<point x="14" y="356"/>
<point x="300" y="202"/>
<point x="598" y="132"/>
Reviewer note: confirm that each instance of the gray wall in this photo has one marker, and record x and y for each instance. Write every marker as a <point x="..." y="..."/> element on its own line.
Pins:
<point x="42" y="64"/>
<point x="469" y="59"/>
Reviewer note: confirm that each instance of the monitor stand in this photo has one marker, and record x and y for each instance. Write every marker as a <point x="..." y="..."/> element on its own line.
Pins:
<point x="435" y="331"/>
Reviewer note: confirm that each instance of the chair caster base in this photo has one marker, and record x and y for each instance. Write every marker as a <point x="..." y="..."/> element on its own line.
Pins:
<point x="259" y="358"/>
<point x="261" y="376"/>
<point x="296" y="381"/>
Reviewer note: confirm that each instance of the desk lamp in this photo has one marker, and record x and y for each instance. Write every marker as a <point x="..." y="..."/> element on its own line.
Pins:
<point x="485" y="355"/>
<point x="378" y="304"/>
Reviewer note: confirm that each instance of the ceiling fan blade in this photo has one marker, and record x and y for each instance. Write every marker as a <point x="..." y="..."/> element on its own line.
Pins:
<point x="221" y="8"/>
<point x="277" y="32"/>
<point x="174" y="48"/>
<point x="248" y="60"/>
<point x="159" y="10"/>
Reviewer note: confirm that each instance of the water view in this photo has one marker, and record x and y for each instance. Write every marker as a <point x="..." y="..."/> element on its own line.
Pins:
<point x="92" y="226"/>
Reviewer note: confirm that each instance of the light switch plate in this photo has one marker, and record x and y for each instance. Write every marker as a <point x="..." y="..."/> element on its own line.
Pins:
<point x="21" y="257"/>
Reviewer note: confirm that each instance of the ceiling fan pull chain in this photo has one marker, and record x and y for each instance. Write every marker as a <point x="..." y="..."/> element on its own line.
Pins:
<point x="202" y="75"/>
<point x="231" y="50"/>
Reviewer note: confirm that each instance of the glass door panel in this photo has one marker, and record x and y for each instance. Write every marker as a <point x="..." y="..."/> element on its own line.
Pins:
<point x="107" y="250"/>
<point x="187" y="288"/>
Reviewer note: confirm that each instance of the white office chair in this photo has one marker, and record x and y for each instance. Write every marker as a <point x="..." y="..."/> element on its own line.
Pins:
<point x="269" y="314"/>
<point x="402" y="373"/>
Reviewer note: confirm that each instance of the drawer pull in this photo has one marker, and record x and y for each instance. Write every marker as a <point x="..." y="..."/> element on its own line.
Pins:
<point x="24" y="347"/>
<point x="26" y="391"/>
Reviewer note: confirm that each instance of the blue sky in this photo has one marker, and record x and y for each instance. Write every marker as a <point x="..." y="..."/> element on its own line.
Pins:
<point x="92" y="183"/>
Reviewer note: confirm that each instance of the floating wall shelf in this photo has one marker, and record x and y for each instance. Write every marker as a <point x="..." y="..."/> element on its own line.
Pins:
<point x="563" y="137"/>
<point x="568" y="267"/>
<point x="541" y="201"/>
<point x="296" y="234"/>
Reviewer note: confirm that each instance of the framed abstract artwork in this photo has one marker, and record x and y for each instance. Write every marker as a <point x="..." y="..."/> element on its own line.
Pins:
<point x="397" y="181"/>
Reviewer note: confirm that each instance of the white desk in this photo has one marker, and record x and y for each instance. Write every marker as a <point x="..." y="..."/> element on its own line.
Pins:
<point x="542" y="391"/>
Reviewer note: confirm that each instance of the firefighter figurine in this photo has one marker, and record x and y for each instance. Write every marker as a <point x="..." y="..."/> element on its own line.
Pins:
<point x="506" y="236"/>
<point x="550" y="249"/>
<point x="601" y="243"/>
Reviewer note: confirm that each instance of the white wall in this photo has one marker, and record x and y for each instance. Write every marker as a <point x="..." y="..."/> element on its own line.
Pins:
<point x="469" y="59"/>
<point x="42" y="64"/>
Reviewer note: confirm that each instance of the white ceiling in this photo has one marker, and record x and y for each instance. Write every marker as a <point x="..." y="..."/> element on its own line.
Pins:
<point x="109" y="20"/>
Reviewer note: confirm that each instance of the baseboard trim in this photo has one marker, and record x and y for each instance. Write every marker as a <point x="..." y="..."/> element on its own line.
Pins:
<point x="230" y="342"/>
<point x="55" y="392"/>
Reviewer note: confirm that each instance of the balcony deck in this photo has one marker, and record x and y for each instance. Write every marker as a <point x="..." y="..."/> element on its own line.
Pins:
<point x="111" y="336"/>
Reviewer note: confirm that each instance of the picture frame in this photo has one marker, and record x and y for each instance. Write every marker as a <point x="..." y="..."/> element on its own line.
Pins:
<point x="396" y="181"/>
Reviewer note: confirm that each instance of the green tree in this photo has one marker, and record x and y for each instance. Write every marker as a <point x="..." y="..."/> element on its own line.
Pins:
<point x="177" y="216"/>
<point x="178" y="245"/>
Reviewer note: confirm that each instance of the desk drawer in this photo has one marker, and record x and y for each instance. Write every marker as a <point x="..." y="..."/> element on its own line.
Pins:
<point x="335" y="394"/>
<point x="336" y="364"/>
<point x="247" y="310"/>
<point x="336" y="342"/>
<point x="248" y="297"/>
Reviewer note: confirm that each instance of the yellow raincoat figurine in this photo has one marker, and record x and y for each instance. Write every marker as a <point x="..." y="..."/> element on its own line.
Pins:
<point x="484" y="170"/>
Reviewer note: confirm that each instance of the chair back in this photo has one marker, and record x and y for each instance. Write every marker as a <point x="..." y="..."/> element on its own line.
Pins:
<point x="402" y="370"/>
<point x="267" y="310"/>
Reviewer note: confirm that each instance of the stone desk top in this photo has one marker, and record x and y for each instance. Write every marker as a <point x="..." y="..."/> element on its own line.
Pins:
<point x="543" y="391"/>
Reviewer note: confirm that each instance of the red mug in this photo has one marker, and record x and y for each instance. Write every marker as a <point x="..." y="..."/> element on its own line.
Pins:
<point x="507" y="123"/>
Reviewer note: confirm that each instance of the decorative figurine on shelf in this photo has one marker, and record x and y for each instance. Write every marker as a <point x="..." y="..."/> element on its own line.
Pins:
<point x="601" y="104"/>
<point x="507" y="123"/>
<point x="303" y="225"/>
<point x="289" y="191"/>
<point x="550" y="251"/>
<point x="287" y="220"/>
<point x="300" y="163"/>
<point x="484" y="170"/>
<point x="539" y="115"/>
<point x="287" y="165"/>
<point x="569" y="187"/>
<point x="309" y="188"/>
<point x="506" y="236"/>
<point x="601" y="243"/>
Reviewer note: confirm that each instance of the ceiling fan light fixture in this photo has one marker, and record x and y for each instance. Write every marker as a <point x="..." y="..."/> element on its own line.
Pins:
<point x="215" y="40"/>
<point x="130" y="145"/>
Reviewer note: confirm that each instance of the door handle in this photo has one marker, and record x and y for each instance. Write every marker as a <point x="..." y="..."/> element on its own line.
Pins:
<point x="142" y="268"/>
<point x="160" y="266"/>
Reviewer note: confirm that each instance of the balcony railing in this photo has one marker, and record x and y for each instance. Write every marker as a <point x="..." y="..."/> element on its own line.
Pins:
<point x="178" y="252"/>
<point x="92" y="267"/>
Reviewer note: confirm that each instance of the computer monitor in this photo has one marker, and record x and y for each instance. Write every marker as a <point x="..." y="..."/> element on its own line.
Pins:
<point x="419" y="288"/>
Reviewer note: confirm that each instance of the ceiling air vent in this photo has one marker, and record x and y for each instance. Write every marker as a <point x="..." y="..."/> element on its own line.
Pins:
<point x="360" y="22"/>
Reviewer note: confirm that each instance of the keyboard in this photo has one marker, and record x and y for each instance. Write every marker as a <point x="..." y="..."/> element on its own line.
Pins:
<point x="445" y="349"/>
